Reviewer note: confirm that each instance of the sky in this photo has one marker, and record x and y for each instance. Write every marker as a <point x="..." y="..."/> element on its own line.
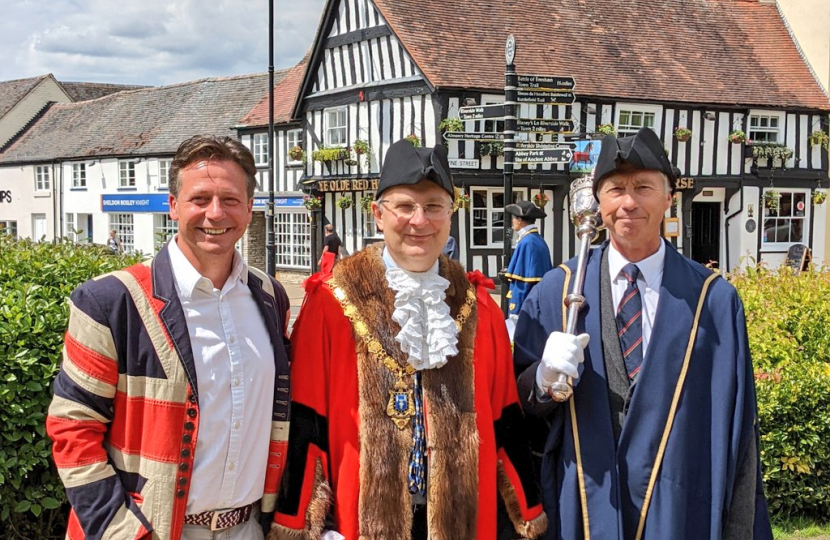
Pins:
<point x="150" y="42"/>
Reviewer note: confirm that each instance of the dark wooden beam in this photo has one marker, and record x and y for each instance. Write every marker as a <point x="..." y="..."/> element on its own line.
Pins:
<point x="357" y="36"/>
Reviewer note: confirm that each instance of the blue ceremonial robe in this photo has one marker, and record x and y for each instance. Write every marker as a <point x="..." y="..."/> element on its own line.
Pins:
<point x="709" y="475"/>
<point x="530" y="261"/>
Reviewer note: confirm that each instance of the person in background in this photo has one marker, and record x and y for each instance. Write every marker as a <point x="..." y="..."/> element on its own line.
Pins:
<point x="170" y="413"/>
<point x="331" y="250"/>
<point x="114" y="243"/>
<point x="660" y="438"/>
<point x="405" y="418"/>
<point x="451" y="249"/>
<point x="531" y="257"/>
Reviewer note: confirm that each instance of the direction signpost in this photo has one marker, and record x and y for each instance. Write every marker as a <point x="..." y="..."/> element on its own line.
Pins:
<point x="481" y="112"/>
<point x="544" y="97"/>
<point x="545" y="82"/>
<point x="548" y="155"/>
<point x="473" y="136"/>
<point x="544" y="125"/>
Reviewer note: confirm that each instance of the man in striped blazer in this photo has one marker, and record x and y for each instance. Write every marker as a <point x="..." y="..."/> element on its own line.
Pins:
<point x="170" y="413"/>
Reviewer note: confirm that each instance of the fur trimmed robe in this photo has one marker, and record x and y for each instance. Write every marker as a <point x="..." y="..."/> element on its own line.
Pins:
<point x="348" y="462"/>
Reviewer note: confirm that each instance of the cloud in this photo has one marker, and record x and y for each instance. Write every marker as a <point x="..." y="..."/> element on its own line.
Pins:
<point x="151" y="41"/>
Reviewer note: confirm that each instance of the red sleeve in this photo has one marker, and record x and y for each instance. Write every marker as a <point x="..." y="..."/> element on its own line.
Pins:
<point x="518" y="484"/>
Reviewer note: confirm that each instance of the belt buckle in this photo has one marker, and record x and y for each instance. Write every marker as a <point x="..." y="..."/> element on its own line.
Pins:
<point x="214" y="520"/>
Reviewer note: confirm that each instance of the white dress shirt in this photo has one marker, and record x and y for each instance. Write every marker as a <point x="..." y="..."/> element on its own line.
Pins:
<point x="235" y="378"/>
<point x="649" y="281"/>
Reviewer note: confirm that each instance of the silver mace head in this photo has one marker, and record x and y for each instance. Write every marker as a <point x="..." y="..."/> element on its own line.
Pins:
<point x="584" y="206"/>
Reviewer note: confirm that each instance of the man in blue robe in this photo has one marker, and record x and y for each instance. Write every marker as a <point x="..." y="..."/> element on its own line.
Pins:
<point x="660" y="439"/>
<point x="531" y="258"/>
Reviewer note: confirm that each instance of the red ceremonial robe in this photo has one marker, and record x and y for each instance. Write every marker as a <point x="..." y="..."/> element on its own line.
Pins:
<point x="347" y="460"/>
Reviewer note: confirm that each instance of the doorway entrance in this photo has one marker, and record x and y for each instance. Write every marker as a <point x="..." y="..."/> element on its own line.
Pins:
<point x="706" y="233"/>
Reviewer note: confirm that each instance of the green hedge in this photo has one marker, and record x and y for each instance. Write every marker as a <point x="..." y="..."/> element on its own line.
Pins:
<point x="788" y="319"/>
<point x="35" y="282"/>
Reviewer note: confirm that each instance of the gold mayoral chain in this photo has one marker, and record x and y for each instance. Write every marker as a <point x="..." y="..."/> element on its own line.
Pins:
<point x="401" y="406"/>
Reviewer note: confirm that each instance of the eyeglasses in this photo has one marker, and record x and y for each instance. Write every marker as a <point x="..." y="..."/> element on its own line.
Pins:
<point x="406" y="210"/>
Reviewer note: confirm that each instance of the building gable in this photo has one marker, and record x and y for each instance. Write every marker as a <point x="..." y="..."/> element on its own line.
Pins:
<point x="356" y="49"/>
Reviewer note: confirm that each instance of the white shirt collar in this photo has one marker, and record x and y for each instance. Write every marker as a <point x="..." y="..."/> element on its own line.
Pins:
<point x="651" y="267"/>
<point x="188" y="279"/>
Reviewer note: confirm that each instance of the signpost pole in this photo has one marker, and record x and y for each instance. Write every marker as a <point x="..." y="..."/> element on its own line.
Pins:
<point x="270" y="248"/>
<point x="510" y="82"/>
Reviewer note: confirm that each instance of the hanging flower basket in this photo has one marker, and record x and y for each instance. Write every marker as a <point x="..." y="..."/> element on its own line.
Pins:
<point x="312" y="203"/>
<point x="771" y="152"/>
<point x="296" y="153"/>
<point x="462" y="200"/>
<point x="494" y="149"/>
<point x="682" y="134"/>
<point x="819" y="138"/>
<point x="819" y="196"/>
<point x="737" y="137"/>
<point x="771" y="197"/>
<point x="345" y="202"/>
<point x="540" y="199"/>
<point x="414" y="140"/>
<point x="451" y="124"/>
<point x="606" y="129"/>
<point x="326" y="154"/>
<point x="366" y="202"/>
<point x="360" y="147"/>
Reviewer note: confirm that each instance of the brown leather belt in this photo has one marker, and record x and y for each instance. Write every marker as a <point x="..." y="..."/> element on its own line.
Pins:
<point x="221" y="519"/>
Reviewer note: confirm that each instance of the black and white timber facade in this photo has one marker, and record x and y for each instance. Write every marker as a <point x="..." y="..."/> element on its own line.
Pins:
<point x="362" y="82"/>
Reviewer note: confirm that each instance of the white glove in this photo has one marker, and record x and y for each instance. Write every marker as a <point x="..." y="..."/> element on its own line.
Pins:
<point x="331" y="535"/>
<point x="563" y="354"/>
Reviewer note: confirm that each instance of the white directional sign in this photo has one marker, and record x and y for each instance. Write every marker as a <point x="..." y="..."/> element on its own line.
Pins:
<point x="543" y="97"/>
<point x="550" y="155"/>
<point x="473" y="136"/>
<point x="527" y="145"/>
<point x="481" y="112"/>
<point x="546" y="82"/>
<point x="544" y="125"/>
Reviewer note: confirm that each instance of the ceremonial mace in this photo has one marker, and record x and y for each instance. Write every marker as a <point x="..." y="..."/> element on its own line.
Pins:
<point x="584" y="210"/>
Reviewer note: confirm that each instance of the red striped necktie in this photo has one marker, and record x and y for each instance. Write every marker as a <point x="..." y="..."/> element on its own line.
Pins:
<point x="630" y="322"/>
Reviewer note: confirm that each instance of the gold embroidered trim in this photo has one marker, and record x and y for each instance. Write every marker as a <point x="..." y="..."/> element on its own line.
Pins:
<point x="403" y="373"/>
<point x="678" y="389"/>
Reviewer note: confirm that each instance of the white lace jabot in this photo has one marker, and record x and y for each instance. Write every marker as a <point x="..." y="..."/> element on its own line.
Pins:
<point x="429" y="335"/>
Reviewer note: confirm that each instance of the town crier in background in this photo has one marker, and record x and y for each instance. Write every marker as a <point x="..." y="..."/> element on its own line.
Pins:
<point x="405" y="418"/>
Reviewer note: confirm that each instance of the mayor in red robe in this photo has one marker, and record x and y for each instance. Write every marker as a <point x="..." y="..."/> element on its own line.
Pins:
<point x="405" y="416"/>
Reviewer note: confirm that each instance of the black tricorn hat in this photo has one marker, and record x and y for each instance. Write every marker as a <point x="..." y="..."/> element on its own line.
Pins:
<point x="525" y="210"/>
<point x="643" y="150"/>
<point x="406" y="165"/>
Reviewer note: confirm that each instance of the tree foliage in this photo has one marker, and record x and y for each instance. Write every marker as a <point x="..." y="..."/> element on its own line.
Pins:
<point x="35" y="282"/>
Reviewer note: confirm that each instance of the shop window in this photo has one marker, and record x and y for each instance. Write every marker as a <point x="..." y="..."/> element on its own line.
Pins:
<point x="786" y="222"/>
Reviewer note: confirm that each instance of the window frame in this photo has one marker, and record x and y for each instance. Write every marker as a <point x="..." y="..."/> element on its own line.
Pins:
<point x="126" y="171"/>
<point x="163" y="223"/>
<point x="492" y="210"/>
<point x="124" y="225"/>
<point x="292" y="239"/>
<point x="164" y="164"/>
<point x="9" y="224"/>
<point x="70" y="224"/>
<point x="39" y="217"/>
<point x="640" y="108"/>
<point x="804" y="195"/>
<point x="328" y="128"/>
<point x="43" y="178"/>
<point x="79" y="175"/>
<point x="779" y="130"/>
<point x="298" y="141"/>
<point x="259" y="148"/>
